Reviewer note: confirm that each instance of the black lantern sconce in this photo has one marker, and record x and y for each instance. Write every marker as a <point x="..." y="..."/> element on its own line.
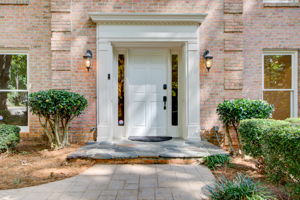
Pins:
<point x="88" y="59"/>
<point x="208" y="60"/>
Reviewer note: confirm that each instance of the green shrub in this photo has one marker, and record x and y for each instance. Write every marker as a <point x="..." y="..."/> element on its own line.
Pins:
<point x="231" y="112"/>
<point x="56" y="109"/>
<point x="9" y="136"/>
<point x="240" y="188"/>
<point x="252" y="131"/>
<point x="281" y="150"/>
<point x="216" y="160"/>
<point x="294" y="121"/>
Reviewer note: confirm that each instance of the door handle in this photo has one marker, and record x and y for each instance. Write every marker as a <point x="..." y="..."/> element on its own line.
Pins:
<point x="165" y="102"/>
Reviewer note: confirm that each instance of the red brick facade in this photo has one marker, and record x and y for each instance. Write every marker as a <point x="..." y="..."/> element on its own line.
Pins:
<point x="56" y="33"/>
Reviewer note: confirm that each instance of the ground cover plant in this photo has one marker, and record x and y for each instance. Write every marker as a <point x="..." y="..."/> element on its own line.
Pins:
<point x="247" y="166"/>
<point x="232" y="112"/>
<point x="56" y="109"/>
<point x="216" y="160"/>
<point x="241" y="187"/>
<point x="9" y="137"/>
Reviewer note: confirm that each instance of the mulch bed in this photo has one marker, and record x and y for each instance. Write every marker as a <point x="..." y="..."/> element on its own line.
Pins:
<point x="248" y="167"/>
<point x="32" y="163"/>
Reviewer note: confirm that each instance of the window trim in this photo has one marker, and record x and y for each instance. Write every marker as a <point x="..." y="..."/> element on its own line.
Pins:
<point x="24" y="129"/>
<point x="294" y="89"/>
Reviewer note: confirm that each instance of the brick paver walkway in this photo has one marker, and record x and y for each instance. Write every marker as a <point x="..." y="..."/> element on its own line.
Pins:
<point x="123" y="182"/>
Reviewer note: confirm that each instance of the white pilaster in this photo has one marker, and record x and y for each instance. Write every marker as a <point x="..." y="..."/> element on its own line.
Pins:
<point x="104" y="91"/>
<point x="193" y="90"/>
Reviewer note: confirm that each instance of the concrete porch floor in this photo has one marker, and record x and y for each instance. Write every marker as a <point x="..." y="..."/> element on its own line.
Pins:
<point x="126" y="149"/>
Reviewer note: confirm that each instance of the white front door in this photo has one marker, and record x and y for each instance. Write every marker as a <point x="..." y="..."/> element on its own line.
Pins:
<point x="146" y="111"/>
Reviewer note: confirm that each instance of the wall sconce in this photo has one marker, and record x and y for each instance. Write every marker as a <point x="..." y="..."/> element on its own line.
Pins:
<point x="88" y="59"/>
<point x="208" y="59"/>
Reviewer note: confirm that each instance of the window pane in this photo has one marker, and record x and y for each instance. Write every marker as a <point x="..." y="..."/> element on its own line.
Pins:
<point x="281" y="101"/>
<point x="121" y="99"/>
<point x="174" y="90"/>
<point x="278" y="71"/>
<point x="13" y="72"/>
<point x="13" y="108"/>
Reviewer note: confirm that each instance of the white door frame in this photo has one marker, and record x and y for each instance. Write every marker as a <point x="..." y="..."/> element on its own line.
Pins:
<point x="173" y="50"/>
<point x="155" y="29"/>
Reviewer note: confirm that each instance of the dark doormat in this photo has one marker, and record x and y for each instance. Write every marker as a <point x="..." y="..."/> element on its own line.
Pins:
<point x="149" y="138"/>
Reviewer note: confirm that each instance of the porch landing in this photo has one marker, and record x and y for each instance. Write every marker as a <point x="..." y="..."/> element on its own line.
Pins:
<point x="126" y="149"/>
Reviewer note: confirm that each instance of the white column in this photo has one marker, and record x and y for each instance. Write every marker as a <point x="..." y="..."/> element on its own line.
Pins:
<point x="104" y="91"/>
<point x="192" y="91"/>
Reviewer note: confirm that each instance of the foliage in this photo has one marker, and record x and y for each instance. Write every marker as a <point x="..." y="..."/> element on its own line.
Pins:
<point x="281" y="150"/>
<point x="231" y="112"/>
<point x="216" y="160"/>
<point x="9" y="136"/>
<point x="18" y="72"/>
<point x="8" y="118"/>
<point x="240" y="188"/>
<point x="252" y="131"/>
<point x="293" y="121"/>
<point x="56" y="109"/>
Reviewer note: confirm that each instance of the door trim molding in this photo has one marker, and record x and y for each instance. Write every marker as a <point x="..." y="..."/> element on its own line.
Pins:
<point x="185" y="36"/>
<point x="158" y="18"/>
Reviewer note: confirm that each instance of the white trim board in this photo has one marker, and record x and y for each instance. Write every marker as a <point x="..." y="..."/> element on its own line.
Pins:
<point x="194" y="18"/>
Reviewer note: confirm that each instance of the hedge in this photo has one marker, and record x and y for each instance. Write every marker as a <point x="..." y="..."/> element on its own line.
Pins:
<point x="231" y="112"/>
<point x="9" y="136"/>
<point x="252" y="130"/>
<point x="281" y="149"/>
<point x="294" y="121"/>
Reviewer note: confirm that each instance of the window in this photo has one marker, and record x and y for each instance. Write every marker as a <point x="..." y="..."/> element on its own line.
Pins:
<point x="280" y="83"/>
<point x="121" y="96"/>
<point x="174" y="90"/>
<point x="13" y="90"/>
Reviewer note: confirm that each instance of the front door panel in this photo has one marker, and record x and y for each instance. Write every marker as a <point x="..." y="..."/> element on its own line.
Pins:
<point x="146" y="75"/>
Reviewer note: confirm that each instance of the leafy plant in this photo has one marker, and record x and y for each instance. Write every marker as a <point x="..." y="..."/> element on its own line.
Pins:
<point x="281" y="151"/>
<point x="9" y="136"/>
<point x="240" y="188"/>
<point x="17" y="181"/>
<point x="231" y="112"/>
<point x="56" y="109"/>
<point x="293" y="121"/>
<point x="252" y="132"/>
<point x="216" y="160"/>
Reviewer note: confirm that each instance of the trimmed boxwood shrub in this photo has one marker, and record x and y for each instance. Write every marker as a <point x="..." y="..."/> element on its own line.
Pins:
<point x="56" y="109"/>
<point x="231" y="112"/>
<point x="9" y="136"/>
<point x="281" y="149"/>
<point x="294" y="121"/>
<point x="252" y="131"/>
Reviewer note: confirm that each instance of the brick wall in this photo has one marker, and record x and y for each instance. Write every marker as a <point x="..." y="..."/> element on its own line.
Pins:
<point x="26" y="27"/>
<point x="56" y="33"/>
<point x="266" y="27"/>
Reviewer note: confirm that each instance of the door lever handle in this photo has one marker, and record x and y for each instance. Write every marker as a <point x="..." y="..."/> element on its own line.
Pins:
<point x="165" y="102"/>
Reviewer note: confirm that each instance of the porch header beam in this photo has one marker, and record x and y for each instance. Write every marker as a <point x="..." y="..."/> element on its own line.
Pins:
<point x="157" y="18"/>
